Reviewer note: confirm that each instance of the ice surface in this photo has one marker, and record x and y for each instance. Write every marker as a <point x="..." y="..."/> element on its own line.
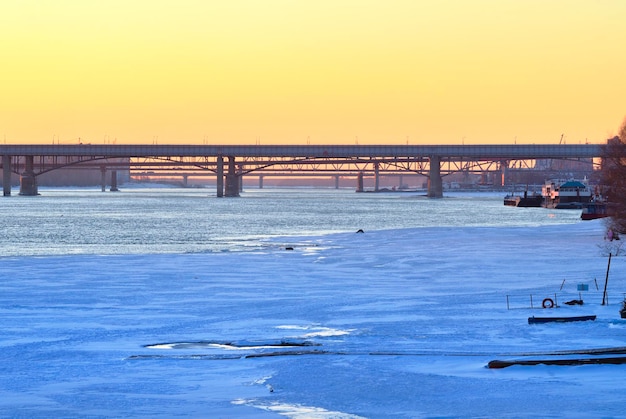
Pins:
<point x="402" y="323"/>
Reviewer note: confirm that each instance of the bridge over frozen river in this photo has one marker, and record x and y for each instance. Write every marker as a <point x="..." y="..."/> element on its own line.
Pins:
<point x="230" y="162"/>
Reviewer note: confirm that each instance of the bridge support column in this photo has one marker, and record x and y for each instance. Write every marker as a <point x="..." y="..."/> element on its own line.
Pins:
<point x="114" y="181"/>
<point x="103" y="178"/>
<point x="376" y="177"/>
<point x="6" y="175"/>
<point x="435" y="185"/>
<point x="336" y="181"/>
<point x="504" y="174"/>
<point x="185" y="179"/>
<point x="28" y="180"/>
<point x="220" y="176"/>
<point x="260" y="181"/>
<point x="359" y="182"/>
<point x="232" y="180"/>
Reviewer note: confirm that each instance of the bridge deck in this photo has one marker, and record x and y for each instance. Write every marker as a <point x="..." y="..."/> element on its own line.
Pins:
<point x="512" y="151"/>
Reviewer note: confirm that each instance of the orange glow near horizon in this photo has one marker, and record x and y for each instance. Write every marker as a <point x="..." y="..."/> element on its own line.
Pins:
<point x="323" y="72"/>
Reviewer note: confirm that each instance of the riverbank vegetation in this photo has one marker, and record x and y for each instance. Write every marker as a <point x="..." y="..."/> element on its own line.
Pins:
<point x="614" y="178"/>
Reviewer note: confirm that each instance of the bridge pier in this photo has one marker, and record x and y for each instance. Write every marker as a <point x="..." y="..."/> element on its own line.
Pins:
<point x="114" y="181"/>
<point x="232" y="180"/>
<point x="498" y="177"/>
<point x="260" y="181"/>
<point x="435" y="184"/>
<point x="220" y="176"/>
<point x="185" y="179"/>
<point x="6" y="175"/>
<point x="336" y="181"/>
<point x="103" y="178"/>
<point x="376" y="176"/>
<point x="28" y="180"/>
<point x="359" y="182"/>
<point x="504" y="174"/>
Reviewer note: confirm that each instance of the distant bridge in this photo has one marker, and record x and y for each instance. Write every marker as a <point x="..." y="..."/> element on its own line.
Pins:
<point x="231" y="162"/>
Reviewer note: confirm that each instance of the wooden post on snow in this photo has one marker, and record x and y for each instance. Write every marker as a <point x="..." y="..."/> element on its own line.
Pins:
<point x="606" y="281"/>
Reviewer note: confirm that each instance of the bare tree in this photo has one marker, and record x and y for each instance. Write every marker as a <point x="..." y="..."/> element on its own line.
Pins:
<point x="614" y="179"/>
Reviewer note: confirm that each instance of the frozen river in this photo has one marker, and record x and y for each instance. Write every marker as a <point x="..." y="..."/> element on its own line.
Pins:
<point x="113" y="308"/>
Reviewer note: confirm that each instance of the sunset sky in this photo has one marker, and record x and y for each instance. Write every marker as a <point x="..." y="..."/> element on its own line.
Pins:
<point x="316" y="72"/>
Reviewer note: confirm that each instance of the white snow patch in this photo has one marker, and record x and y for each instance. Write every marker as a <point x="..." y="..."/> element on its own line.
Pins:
<point x="317" y="331"/>
<point x="298" y="411"/>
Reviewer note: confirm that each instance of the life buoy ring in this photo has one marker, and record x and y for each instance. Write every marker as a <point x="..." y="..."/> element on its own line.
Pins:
<point x="547" y="303"/>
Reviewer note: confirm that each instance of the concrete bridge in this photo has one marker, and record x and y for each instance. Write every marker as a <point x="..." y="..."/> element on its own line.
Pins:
<point x="230" y="162"/>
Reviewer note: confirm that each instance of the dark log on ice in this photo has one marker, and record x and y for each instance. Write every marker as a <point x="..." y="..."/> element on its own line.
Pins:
<point x="563" y="361"/>
<point x="537" y="320"/>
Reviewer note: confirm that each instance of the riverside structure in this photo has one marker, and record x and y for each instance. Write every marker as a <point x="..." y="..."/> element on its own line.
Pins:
<point x="230" y="162"/>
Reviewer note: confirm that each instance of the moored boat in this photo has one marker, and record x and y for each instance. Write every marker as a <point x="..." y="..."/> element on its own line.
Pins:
<point x="594" y="210"/>
<point x="524" y="201"/>
<point x="534" y="200"/>
<point x="511" y="200"/>
<point x="571" y="194"/>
